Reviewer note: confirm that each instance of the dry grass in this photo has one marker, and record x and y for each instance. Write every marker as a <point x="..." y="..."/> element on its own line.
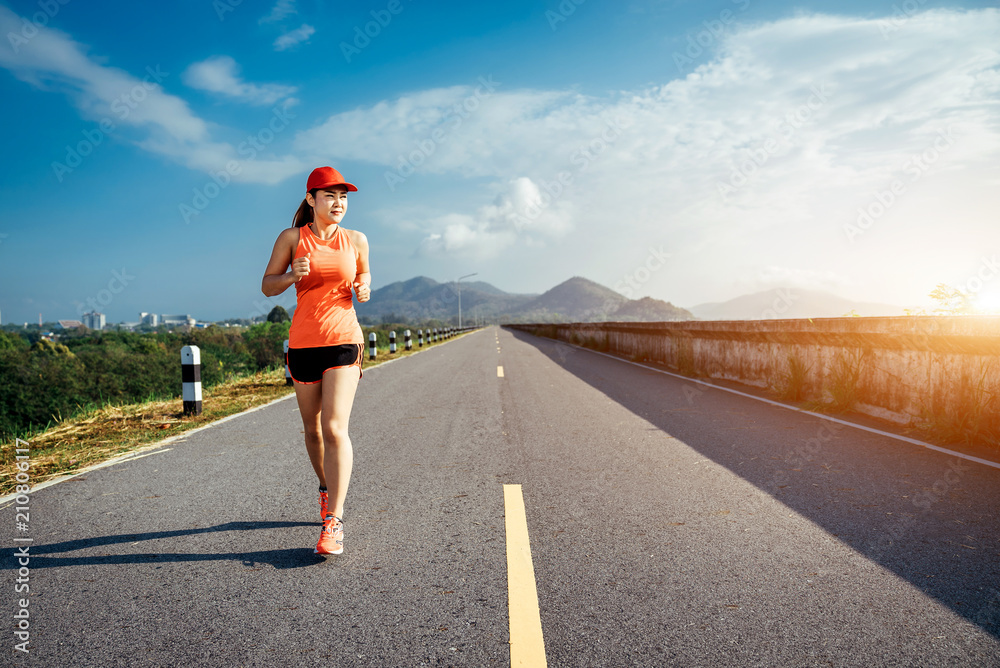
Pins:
<point x="98" y="435"/>
<point x="106" y="432"/>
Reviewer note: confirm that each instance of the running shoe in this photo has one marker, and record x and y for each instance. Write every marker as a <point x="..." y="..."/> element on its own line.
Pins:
<point x="323" y="505"/>
<point x="331" y="539"/>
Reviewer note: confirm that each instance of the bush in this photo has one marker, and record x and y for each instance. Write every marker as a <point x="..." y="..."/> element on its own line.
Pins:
<point x="38" y="387"/>
<point x="265" y="344"/>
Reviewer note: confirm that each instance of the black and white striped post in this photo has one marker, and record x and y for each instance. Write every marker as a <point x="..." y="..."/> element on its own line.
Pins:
<point x="191" y="379"/>
<point x="371" y="346"/>
<point x="420" y="338"/>
<point x="435" y="334"/>
<point x="407" y="341"/>
<point x="392" y="343"/>
<point x="288" y="374"/>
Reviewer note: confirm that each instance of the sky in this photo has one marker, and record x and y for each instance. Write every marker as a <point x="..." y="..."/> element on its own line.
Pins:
<point x="687" y="151"/>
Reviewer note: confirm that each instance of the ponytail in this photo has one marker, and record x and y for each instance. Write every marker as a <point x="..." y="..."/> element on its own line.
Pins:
<point x="304" y="215"/>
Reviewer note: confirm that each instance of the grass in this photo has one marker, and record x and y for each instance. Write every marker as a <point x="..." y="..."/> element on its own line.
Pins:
<point x="844" y="380"/>
<point x="98" y="434"/>
<point x="972" y="417"/>
<point x="793" y="382"/>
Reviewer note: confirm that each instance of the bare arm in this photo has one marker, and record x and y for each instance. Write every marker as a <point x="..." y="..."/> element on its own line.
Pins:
<point x="277" y="278"/>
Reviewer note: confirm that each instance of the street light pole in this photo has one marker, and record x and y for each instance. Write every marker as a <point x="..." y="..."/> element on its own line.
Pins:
<point x="458" y="282"/>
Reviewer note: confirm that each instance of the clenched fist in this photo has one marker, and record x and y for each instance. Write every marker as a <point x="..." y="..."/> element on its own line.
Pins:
<point x="300" y="267"/>
<point x="363" y="291"/>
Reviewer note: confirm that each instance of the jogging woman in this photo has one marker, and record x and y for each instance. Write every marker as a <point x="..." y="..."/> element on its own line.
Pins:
<point x="325" y="343"/>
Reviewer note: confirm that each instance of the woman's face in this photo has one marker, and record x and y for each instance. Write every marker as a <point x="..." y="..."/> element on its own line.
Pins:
<point x="329" y="206"/>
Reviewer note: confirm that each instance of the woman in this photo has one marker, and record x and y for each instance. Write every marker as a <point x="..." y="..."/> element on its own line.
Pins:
<point x="325" y="343"/>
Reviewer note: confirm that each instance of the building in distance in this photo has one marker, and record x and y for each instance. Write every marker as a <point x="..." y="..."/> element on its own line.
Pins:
<point x="94" y="320"/>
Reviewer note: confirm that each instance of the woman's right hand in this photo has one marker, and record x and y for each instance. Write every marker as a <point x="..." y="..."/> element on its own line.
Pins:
<point x="300" y="267"/>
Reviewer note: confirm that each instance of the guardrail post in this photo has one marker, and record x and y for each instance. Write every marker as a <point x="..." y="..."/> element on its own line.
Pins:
<point x="191" y="379"/>
<point x="420" y="338"/>
<point x="392" y="343"/>
<point x="371" y="346"/>
<point x="407" y="340"/>
<point x="288" y="373"/>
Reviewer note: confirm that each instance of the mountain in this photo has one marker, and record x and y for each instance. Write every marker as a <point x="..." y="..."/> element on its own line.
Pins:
<point x="422" y="298"/>
<point x="582" y="300"/>
<point x="578" y="299"/>
<point x="789" y="303"/>
<point x="648" y="309"/>
<point x="575" y="300"/>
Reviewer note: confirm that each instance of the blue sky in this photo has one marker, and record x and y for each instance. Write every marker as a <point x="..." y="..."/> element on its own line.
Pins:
<point x="688" y="151"/>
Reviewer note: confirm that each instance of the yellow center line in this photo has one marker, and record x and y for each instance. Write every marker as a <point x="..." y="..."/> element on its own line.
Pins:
<point x="499" y="372"/>
<point x="527" y="647"/>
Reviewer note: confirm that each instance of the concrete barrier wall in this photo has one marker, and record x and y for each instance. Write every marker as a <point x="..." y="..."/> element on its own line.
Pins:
<point x="942" y="372"/>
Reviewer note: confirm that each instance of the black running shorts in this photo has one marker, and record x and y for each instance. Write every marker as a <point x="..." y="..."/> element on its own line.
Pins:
<point x="307" y="365"/>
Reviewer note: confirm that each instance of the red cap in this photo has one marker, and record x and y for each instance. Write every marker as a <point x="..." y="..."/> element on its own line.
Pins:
<point x="324" y="177"/>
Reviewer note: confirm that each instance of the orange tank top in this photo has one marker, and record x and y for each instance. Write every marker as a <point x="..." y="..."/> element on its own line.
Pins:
<point x="324" y="312"/>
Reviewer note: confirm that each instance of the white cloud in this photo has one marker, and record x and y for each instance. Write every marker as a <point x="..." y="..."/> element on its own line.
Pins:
<point x="834" y="109"/>
<point x="220" y="74"/>
<point x="52" y="60"/>
<point x="520" y="211"/>
<point x="281" y="10"/>
<point x="294" y="37"/>
<point x="481" y="133"/>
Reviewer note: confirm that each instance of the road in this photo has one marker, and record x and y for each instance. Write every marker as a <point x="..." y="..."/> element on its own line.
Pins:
<point x="669" y="524"/>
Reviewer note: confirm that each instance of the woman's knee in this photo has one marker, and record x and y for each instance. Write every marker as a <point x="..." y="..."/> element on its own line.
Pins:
<point x="312" y="429"/>
<point x="335" y="432"/>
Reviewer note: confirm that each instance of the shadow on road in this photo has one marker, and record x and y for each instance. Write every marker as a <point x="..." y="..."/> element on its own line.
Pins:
<point x="932" y="519"/>
<point x="281" y="559"/>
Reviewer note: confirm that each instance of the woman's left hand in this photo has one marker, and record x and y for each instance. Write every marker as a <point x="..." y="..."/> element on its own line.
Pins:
<point x="363" y="292"/>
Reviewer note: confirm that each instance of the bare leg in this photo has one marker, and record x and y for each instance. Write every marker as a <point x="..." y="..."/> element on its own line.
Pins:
<point x="310" y="401"/>
<point x="339" y="388"/>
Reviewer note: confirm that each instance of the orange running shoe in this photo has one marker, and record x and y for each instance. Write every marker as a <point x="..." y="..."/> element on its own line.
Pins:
<point x="323" y="505"/>
<point x="331" y="539"/>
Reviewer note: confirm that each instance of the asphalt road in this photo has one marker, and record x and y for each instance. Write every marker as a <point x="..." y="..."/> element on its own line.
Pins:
<point x="670" y="524"/>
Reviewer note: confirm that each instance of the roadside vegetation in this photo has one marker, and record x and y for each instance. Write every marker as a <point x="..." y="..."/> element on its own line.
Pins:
<point x="93" y="395"/>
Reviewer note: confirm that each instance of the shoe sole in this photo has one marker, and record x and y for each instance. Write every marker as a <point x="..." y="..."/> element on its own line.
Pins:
<point x="315" y="551"/>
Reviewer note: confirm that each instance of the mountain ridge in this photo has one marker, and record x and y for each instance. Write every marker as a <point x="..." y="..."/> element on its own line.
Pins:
<point x="579" y="299"/>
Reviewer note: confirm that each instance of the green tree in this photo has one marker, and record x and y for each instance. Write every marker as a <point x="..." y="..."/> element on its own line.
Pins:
<point x="48" y="347"/>
<point x="12" y="341"/>
<point x="952" y="301"/>
<point x="278" y="314"/>
<point x="265" y="343"/>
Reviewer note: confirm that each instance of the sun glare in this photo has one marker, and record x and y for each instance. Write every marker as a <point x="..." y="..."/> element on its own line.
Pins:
<point x="988" y="300"/>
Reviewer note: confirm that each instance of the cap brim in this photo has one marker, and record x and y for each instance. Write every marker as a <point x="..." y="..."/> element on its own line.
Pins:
<point x="350" y="187"/>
